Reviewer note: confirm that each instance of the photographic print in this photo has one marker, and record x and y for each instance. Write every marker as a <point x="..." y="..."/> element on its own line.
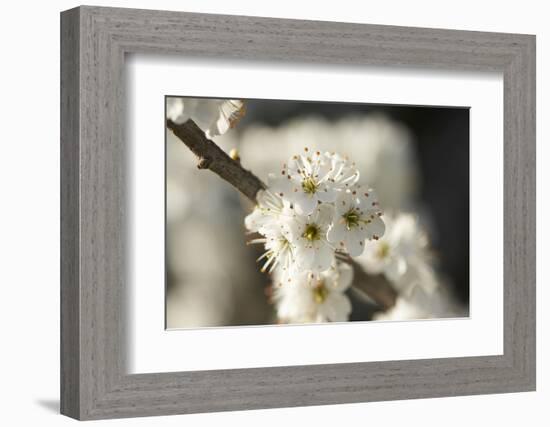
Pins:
<point x="293" y="212"/>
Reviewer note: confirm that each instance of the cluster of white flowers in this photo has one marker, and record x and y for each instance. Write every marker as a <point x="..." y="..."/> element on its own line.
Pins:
<point x="382" y="149"/>
<point x="314" y="209"/>
<point x="315" y="212"/>
<point x="403" y="255"/>
<point x="316" y="297"/>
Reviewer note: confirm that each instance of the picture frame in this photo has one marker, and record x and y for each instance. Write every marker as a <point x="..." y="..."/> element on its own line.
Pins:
<point x="94" y="267"/>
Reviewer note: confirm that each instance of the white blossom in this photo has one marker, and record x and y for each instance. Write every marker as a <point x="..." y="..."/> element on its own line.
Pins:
<point x="311" y="210"/>
<point x="309" y="235"/>
<point x="357" y="219"/>
<point x="312" y="178"/>
<point x="279" y="250"/>
<point x="316" y="297"/>
<point x="270" y="208"/>
<point x="419" y="304"/>
<point x="402" y="254"/>
<point x="213" y="116"/>
<point x="382" y="149"/>
<point x="403" y="309"/>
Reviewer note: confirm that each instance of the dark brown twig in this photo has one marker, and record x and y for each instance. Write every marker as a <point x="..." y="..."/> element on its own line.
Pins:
<point x="212" y="157"/>
<point x="376" y="287"/>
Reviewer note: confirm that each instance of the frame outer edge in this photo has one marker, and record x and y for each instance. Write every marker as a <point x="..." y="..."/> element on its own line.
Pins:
<point x="520" y="215"/>
<point x="527" y="142"/>
<point x="92" y="41"/>
<point x="532" y="138"/>
<point x="70" y="396"/>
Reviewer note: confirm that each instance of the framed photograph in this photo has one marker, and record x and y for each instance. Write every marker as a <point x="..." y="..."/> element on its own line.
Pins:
<point x="261" y="213"/>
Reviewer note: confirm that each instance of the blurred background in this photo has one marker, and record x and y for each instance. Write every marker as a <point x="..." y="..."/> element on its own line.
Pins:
<point x="416" y="158"/>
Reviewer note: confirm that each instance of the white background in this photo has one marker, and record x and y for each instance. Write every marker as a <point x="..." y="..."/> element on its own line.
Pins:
<point x="29" y="234"/>
<point x="153" y="349"/>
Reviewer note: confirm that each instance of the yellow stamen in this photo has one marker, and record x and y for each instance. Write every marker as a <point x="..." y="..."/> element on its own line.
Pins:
<point x="383" y="250"/>
<point x="311" y="232"/>
<point x="309" y="185"/>
<point x="320" y="293"/>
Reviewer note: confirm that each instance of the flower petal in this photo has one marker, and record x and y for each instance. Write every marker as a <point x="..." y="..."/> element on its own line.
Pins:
<point x="355" y="244"/>
<point x="337" y="308"/>
<point x="280" y="186"/>
<point x="344" y="202"/>
<point x="324" y="215"/>
<point x="175" y="110"/>
<point x="255" y="220"/>
<point x="205" y="114"/>
<point x="396" y="268"/>
<point x="326" y="194"/>
<point x="337" y="233"/>
<point x="324" y="257"/>
<point x="376" y="228"/>
<point x="304" y="203"/>
<point x="305" y="258"/>
<point x="344" y="277"/>
<point x="294" y="165"/>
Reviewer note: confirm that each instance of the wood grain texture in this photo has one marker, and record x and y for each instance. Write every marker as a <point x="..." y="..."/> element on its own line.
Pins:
<point x="95" y="272"/>
<point x="70" y="292"/>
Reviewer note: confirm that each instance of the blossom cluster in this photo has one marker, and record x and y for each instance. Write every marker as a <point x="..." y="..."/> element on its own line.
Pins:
<point x="315" y="213"/>
<point x="403" y="256"/>
<point x="314" y="210"/>
<point x="382" y="149"/>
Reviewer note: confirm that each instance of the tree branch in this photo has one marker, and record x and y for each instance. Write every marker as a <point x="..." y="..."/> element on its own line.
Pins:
<point x="212" y="157"/>
<point x="376" y="287"/>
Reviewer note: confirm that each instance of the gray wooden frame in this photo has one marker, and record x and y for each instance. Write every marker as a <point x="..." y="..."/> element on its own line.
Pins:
<point x="94" y="41"/>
